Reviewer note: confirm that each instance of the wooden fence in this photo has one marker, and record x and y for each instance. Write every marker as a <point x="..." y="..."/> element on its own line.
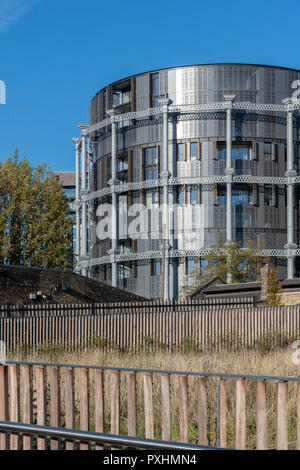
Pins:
<point x="199" y="329"/>
<point x="242" y="412"/>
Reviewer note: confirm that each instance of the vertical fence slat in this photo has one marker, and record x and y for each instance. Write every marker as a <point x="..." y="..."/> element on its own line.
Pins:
<point x="40" y="403"/>
<point x="202" y="411"/>
<point x="99" y="403"/>
<point x="281" y="415"/>
<point x="84" y="403"/>
<point x="165" y="408"/>
<point x="183" y="408"/>
<point x="14" y="404"/>
<point x="69" y="404"/>
<point x="27" y="408"/>
<point x="240" y="432"/>
<point x="148" y="405"/>
<point x="4" y="442"/>
<point x="223" y="414"/>
<point x="54" y="403"/>
<point x="131" y="393"/>
<point x="115" y="402"/>
<point x="261" y="416"/>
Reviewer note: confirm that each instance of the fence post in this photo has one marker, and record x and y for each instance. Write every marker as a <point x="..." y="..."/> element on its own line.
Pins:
<point x="240" y="437"/>
<point x="115" y="402"/>
<point x="148" y="404"/>
<point x="222" y="409"/>
<point x="4" y="441"/>
<point x="183" y="408"/>
<point x="84" y="403"/>
<point x="27" y="402"/>
<point x="14" y="404"/>
<point x="69" y="403"/>
<point x="54" y="403"/>
<point x="281" y="415"/>
<point x="165" y="408"/>
<point x="202" y="411"/>
<point x="261" y="416"/>
<point x="131" y="392"/>
<point x="40" y="403"/>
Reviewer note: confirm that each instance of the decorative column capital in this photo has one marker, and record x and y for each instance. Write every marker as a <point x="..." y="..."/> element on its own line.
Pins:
<point x="83" y="128"/>
<point x="229" y="99"/>
<point x="164" y="104"/>
<point x="112" y="113"/>
<point x="291" y="104"/>
<point x="76" y="142"/>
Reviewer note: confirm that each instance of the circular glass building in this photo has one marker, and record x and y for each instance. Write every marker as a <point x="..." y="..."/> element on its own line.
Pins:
<point x="174" y="159"/>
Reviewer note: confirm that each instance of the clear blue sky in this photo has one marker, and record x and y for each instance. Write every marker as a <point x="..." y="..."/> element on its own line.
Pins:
<point x="55" y="55"/>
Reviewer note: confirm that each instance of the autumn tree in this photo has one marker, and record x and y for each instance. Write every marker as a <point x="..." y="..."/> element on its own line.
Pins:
<point x="243" y="264"/>
<point x="274" y="291"/>
<point x="35" y="228"/>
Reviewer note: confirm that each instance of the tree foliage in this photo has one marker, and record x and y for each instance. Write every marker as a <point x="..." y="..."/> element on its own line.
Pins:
<point x="228" y="258"/>
<point x="273" y="296"/>
<point x="35" y="229"/>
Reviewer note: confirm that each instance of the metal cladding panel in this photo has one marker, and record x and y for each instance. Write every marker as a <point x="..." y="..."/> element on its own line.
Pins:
<point x="198" y="85"/>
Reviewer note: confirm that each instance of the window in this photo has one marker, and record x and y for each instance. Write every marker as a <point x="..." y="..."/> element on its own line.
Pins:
<point x="267" y="152"/>
<point x="122" y="164"/>
<point x="239" y="151"/>
<point x="180" y="197"/>
<point x="268" y="196"/>
<point x="285" y="152"/>
<point x="124" y="271"/>
<point x="150" y="162"/>
<point x="151" y="199"/>
<point x="154" y="90"/>
<point x="121" y="97"/>
<point x="155" y="267"/>
<point x="180" y="152"/>
<point x="191" y="265"/>
<point x="239" y="196"/>
<point x="70" y="192"/>
<point x="194" y="199"/>
<point x="194" y="151"/>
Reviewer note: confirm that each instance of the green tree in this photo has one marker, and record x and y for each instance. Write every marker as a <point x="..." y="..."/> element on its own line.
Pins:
<point x="243" y="264"/>
<point x="35" y="228"/>
<point x="274" y="289"/>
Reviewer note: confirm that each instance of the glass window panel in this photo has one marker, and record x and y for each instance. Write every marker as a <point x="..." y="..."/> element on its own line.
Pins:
<point x="194" y="197"/>
<point x="194" y="150"/>
<point x="180" y="152"/>
<point x="155" y="267"/>
<point x="267" y="151"/>
<point x="181" y="198"/>
<point x="191" y="265"/>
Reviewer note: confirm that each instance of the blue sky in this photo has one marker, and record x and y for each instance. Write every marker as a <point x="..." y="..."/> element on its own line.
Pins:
<point x="55" y="55"/>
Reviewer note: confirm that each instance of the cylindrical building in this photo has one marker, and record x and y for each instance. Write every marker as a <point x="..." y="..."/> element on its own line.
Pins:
<point x="207" y="151"/>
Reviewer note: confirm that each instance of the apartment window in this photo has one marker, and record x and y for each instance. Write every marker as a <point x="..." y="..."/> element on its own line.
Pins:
<point x="191" y="265"/>
<point x="285" y="152"/>
<point x="121" y="97"/>
<point x="268" y="196"/>
<point x="194" y="155"/>
<point x="239" y="196"/>
<point x="180" y="197"/>
<point x="125" y="271"/>
<point x="180" y="152"/>
<point x="194" y="198"/>
<point x="155" y="267"/>
<point x="239" y="151"/>
<point x="150" y="162"/>
<point x="203" y="263"/>
<point x="155" y="95"/>
<point x="122" y="164"/>
<point x="267" y="152"/>
<point x="151" y="199"/>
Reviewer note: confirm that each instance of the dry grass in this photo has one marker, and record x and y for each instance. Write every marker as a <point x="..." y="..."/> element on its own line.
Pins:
<point x="274" y="363"/>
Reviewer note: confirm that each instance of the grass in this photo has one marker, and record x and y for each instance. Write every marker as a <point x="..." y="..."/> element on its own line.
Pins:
<point x="260" y="361"/>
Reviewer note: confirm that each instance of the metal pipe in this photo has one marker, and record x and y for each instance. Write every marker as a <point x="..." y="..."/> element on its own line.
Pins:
<point x="88" y="436"/>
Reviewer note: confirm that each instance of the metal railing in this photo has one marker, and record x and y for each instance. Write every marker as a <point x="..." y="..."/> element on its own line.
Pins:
<point x="97" y="438"/>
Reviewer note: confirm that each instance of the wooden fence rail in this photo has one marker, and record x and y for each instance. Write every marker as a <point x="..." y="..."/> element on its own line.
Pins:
<point x="199" y="408"/>
<point x="200" y="330"/>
